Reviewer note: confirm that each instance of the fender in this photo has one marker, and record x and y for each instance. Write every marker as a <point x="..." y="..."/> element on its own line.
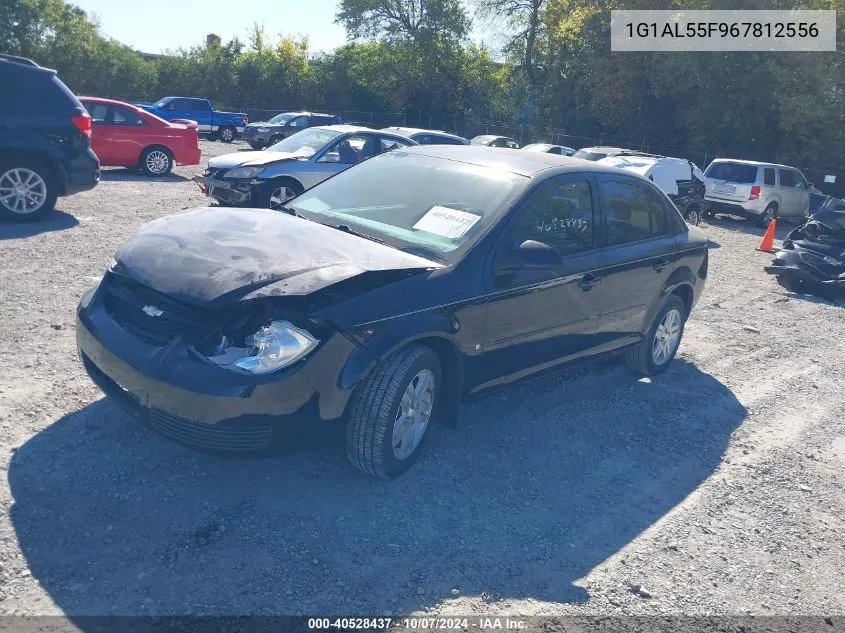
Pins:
<point x="681" y="276"/>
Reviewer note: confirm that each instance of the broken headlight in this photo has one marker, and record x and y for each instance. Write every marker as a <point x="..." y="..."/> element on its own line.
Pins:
<point x="244" y="172"/>
<point x="276" y="345"/>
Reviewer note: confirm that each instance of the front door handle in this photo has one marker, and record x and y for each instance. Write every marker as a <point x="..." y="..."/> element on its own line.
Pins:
<point x="588" y="281"/>
<point x="660" y="264"/>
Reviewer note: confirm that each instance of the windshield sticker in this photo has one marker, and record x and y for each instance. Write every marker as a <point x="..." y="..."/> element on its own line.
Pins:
<point x="446" y="222"/>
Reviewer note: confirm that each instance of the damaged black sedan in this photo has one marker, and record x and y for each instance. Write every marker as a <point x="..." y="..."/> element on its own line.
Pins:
<point x="382" y="307"/>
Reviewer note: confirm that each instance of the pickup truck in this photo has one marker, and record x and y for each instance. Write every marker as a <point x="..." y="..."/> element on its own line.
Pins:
<point x="223" y="125"/>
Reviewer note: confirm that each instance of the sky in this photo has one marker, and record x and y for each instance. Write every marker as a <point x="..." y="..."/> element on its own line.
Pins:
<point x="153" y="26"/>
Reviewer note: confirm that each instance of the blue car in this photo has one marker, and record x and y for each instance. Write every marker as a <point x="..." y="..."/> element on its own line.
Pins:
<point x="223" y="125"/>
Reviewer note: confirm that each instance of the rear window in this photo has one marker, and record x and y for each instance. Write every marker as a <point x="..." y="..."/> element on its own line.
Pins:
<point x="738" y="173"/>
<point x="36" y="93"/>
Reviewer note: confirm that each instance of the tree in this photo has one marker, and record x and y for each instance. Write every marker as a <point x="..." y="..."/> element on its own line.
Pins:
<point x="524" y="18"/>
<point x="418" y="21"/>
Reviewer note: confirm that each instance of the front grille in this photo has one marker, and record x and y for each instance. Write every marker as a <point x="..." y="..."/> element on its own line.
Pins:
<point x="125" y="300"/>
<point x="233" y="439"/>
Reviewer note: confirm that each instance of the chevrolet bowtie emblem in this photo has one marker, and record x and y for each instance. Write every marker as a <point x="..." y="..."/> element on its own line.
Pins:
<point x="152" y="311"/>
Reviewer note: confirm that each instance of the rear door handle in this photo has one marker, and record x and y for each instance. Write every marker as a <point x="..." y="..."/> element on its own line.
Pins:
<point x="660" y="264"/>
<point x="588" y="281"/>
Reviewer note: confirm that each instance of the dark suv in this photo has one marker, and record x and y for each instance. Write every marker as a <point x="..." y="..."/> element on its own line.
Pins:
<point x="45" y="141"/>
<point x="266" y="133"/>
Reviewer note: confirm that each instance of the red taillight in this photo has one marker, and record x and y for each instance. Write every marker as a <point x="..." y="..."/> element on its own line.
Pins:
<point x="755" y="192"/>
<point x="246" y="119"/>
<point x="83" y="123"/>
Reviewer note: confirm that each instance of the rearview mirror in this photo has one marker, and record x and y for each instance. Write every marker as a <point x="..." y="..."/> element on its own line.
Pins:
<point x="531" y="255"/>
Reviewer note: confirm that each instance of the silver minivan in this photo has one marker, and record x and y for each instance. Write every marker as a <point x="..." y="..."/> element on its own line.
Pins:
<point x="761" y="191"/>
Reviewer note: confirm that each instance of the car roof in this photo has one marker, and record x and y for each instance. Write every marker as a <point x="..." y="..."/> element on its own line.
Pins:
<point x="104" y="100"/>
<point x="751" y="162"/>
<point x="512" y="160"/>
<point x="304" y="113"/>
<point x="415" y="130"/>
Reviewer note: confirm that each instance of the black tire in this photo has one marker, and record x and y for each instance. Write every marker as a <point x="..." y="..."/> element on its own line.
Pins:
<point x="227" y="133"/>
<point x="641" y="358"/>
<point x="769" y="214"/>
<point x="275" y="139"/>
<point x="789" y="283"/>
<point x="375" y="408"/>
<point x="156" y="161"/>
<point x="692" y="214"/>
<point x="9" y="176"/>
<point x="268" y="197"/>
<point x="255" y="145"/>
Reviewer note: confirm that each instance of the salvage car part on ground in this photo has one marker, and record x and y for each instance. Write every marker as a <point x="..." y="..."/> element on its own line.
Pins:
<point x="812" y="260"/>
<point x="381" y="307"/>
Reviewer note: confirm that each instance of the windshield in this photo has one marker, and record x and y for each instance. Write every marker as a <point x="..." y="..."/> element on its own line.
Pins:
<point x="481" y="140"/>
<point x="282" y="118"/>
<point x="582" y="153"/>
<point x="305" y="142"/>
<point x="738" y="173"/>
<point x="433" y="207"/>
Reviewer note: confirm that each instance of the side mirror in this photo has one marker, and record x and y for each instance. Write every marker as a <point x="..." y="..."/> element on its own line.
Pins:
<point x="531" y="255"/>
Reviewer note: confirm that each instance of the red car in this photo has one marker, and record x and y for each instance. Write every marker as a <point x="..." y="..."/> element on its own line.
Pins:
<point x="127" y="136"/>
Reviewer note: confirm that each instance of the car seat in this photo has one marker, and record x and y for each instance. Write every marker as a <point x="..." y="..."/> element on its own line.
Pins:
<point x="347" y="154"/>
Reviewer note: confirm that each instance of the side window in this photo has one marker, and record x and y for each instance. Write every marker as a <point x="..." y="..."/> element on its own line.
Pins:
<point x="197" y="105"/>
<point x="633" y="212"/>
<point x="559" y="213"/>
<point x="425" y="139"/>
<point x="800" y="181"/>
<point x="299" y="122"/>
<point x="787" y="178"/>
<point x="99" y="113"/>
<point x="179" y="104"/>
<point x="350" y="150"/>
<point x="769" y="176"/>
<point x="512" y="144"/>
<point x="554" y="150"/>
<point x="388" y="144"/>
<point x="125" y="117"/>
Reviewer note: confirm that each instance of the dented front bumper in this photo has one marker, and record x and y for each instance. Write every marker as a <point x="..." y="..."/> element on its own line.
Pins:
<point x="227" y="191"/>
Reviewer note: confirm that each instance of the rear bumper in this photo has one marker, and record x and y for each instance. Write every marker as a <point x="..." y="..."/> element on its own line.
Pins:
<point x="187" y="156"/>
<point x="734" y="208"/>
<point x="83" y="173"/>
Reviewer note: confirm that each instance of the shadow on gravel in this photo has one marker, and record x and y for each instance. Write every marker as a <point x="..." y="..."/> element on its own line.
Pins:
<point x="122" y="175"/>
<point x="537" y="486"/>
<point x="55" y="221"/>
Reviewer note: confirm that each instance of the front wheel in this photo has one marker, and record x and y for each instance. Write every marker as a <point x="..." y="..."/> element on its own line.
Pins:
<point x="657" y="350"/>
<point x="226" y="134"/>
<point x="692" y="215"/>
<point x="274" y="194"/>
<point x="28" y="190"/>
<point x="391" y="412"/>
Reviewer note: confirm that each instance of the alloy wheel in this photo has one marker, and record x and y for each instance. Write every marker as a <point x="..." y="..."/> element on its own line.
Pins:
<point x="666" y="337"/>
<point x="413" y="414"/>
<point x="279" y="196"/>
<point x="22" y="191"/>
<point x="157" y="162"/>
<point x="227" y="135"/>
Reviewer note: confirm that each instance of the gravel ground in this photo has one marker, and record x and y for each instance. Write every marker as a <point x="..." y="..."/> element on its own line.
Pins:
<point x="716" y="488"/>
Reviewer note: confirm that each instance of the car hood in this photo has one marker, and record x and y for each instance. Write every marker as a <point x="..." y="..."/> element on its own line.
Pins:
<point x="249" y="159"/>
<point x="214" y="256"/>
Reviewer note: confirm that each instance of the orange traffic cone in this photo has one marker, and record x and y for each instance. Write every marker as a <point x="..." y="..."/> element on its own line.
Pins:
<point x="767" y="243"/>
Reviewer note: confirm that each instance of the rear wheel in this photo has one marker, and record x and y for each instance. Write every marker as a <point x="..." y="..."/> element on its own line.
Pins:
<point x="226" y="133"/>
<point x="657" y="350"/>
<point x="255" y="145"/>
<point x="28" y="190"/>
<point x="156" y="161"/>
<point x="769" y="214"/>
<point x="391" y="412"/>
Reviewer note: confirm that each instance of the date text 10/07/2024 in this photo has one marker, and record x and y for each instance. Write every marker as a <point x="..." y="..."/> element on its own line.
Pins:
<point x="723" y="29"/>
<point x="421" y="623"/>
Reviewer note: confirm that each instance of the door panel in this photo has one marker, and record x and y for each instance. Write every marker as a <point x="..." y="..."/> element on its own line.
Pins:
<point x="639" y="256"/>
<point x="101" y="140"/>
<point x="341" y="154"/>
<point x="128" y="132"/>
<point x="539" y="318"/>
